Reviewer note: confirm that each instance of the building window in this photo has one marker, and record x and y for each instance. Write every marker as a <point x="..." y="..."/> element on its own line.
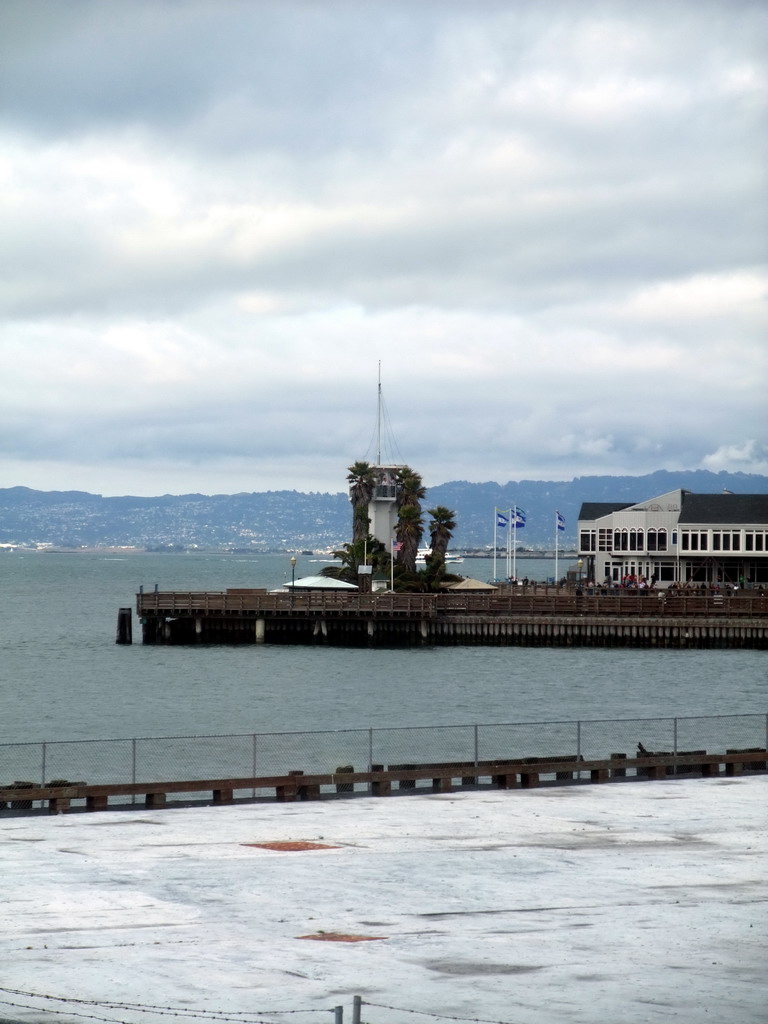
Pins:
<point x="736" y="542"/>
<point x="635" y="540"/>
<point x="604" y="539"/>
<point x="726" y="542"/>
<point x="716" y="540"/>
<point x="661" y="540"/>
<point x="587" y="540"/>
<point x="759" y="542"/>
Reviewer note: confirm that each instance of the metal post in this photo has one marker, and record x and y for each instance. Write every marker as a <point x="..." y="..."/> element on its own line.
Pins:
<point x="293" y="577"/>
<point x="357" y="1006"/>
<point x="674" y="742"/>
<point x="133" y="768"/>
<point x="253" y="764"/>
<point x="42" y="771"/>
<point x="578" y="746"/>
<point x="370" y="757"/>
<point x="476" y="747"/>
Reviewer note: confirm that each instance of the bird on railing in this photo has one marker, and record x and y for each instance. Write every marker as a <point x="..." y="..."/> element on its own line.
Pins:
<point x="641" y="749"/>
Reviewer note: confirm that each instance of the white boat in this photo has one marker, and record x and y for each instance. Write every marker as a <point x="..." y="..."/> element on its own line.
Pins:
<point x="450" y="559"/>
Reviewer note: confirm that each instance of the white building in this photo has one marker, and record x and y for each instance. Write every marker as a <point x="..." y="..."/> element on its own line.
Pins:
<point x="677" y="536"/>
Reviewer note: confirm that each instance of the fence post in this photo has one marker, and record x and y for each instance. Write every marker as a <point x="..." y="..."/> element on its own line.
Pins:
<point x="477" y="748"/>
<point x="674" y="744"/>
<point x="338" y="1015"/>
<point x="370" y="757"/>
<point x="133" y="768"/>
<point x="253" y="765"/>
<point x="578" y="747"/>
<point x="42" y="767"/>
<point x="357" y="1004"/>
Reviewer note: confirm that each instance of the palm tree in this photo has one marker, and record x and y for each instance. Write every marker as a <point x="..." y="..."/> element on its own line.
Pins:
<point x="441" y="526"/>
<point x="410" y="487"/>
<point x="408" y="532"/>
<point x="367" y="551"/>
<point x="362" y="480"/>
<point x="410" y="527"/>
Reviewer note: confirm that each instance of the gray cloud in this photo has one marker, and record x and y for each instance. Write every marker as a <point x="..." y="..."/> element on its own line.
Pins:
<point x="548" y="223"/>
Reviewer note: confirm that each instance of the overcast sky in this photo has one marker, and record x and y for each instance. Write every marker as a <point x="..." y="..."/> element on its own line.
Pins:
<point x="547" y="221"/>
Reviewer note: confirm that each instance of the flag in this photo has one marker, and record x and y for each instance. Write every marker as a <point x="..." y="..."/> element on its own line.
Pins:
<point x="501" y="519"/>
<point x="560" y="521"/>
<point x="519" y="519"/>
<point x="396" y="546"/>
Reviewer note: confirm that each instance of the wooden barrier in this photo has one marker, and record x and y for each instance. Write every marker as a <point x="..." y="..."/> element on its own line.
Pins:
<point x="296" y="785"/>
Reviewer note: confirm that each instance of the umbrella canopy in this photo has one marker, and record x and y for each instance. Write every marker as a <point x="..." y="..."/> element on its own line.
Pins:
<point x="470" y="584"/>
<point x="320" y="583"/>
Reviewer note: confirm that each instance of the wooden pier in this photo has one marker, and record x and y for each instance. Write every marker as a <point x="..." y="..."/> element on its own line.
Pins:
<point x="515" y="616"/>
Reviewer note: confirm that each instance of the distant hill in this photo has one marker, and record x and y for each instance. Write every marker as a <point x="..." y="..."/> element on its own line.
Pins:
<point x="293" y="519"/>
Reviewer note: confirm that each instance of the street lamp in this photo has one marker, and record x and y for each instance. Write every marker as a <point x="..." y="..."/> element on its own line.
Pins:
<point x="293" y="576"/>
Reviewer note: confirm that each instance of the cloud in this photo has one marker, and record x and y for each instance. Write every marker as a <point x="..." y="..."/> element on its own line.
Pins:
<point x="749" y="457"/>
<point x="549" y="226"/>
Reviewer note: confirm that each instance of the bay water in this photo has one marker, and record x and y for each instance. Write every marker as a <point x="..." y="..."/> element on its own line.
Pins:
<point x="62" y="677"/>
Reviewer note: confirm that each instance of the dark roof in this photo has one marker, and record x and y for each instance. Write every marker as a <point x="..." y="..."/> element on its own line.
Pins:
<point x="724" y="508"/>
<point x="598" y="509"/>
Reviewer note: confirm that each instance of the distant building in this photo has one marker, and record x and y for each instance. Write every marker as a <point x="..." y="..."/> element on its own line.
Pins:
<point x="678" y="536"/>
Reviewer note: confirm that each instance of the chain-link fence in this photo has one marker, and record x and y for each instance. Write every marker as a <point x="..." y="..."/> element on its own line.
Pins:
<point x="181" y="758"/>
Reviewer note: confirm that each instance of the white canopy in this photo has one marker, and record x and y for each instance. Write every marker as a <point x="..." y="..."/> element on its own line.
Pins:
<point x="319" y="583"/>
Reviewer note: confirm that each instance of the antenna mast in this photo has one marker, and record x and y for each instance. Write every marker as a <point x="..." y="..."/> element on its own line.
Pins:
<point x="378" y="421"/>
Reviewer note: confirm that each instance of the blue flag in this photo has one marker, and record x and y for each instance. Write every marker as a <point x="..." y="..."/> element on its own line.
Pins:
<point x="519" y="519"/>
<point x="501" y="519"/>
<point x="560" y="521"/>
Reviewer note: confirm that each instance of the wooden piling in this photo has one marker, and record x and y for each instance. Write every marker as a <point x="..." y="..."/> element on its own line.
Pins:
<point x="124" y="626"/>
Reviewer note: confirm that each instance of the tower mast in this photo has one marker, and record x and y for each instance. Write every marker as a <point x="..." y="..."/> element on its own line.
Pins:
<point x="378" y="420"/>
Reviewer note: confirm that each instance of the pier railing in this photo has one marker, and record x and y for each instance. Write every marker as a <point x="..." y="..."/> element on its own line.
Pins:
<point x="143" y="759"/>
<point x="541" y="601"/>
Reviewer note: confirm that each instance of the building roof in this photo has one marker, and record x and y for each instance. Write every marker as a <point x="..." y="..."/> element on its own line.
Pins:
<point x="724" y="508"/>
<point x="597" y="509"/>
<point x="696" y="508"/>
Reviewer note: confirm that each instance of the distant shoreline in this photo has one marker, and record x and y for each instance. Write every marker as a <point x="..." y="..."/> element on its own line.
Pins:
<point x="11" y="549"/>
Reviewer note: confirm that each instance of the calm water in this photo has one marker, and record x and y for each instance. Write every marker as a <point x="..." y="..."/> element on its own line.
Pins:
<point x="63" y="677"/>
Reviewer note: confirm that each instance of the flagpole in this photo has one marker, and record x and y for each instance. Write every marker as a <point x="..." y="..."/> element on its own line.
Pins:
<point x="513" y="521"/>
<point x="508" y="563"/>
<point x="392" y="564"/>
<point x="495" y="524"/>
<point x="557" y="535"/>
